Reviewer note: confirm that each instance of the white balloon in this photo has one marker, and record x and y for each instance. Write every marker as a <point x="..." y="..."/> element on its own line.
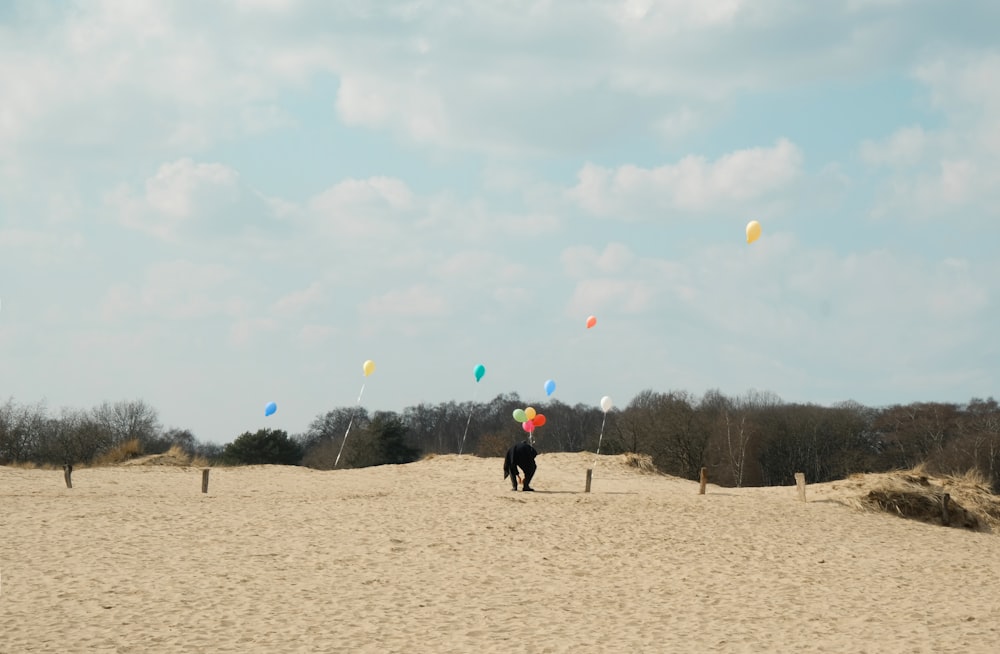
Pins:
<point x="606" y="404"/>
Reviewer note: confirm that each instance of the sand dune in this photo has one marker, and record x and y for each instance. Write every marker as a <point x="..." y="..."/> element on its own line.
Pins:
<point x="441" y="556"/>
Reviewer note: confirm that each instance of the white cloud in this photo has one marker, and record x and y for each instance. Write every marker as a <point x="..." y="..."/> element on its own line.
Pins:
<point x="617" y="295"/>
<point x="351" y="194"/>
<point x="905" y="147"/>
<point x="415" y="301"/>
<point x="116" y="77"/>
<point x="478" y="269"/>
<point x="666" y="17"/>
<point x="184" y="198"/>
<point x="363" y="208"/>
<point x="246" y="331"/>
<point x="692" y="184"/>
<point x="583" y="260"/>
<point x="964" y="83"/>
<point x="863" y="5"/>
<point x="38" y="247"/>
<point x="951" y="172"/>
<point x="677" y="124"/>
<point x="269" y="6"/>
<point x="962" y="191"/>
<point x="789" y="311"/>
<point x="175" y="290"/>
<point x="537" y="77"/>
<point x="617" y="280"/>
<point x="369" y="101"/>
<point x="175" y="189"/>
<point x="312" y="335"/>
<point x="301" y="299"/>
<point x="362" y="102"/>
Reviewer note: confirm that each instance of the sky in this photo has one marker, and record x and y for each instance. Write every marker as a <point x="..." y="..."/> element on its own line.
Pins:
<point x="209" y="206"/>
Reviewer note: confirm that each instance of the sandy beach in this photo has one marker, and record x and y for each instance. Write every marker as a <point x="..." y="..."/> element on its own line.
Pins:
<point x="441" y="556"/>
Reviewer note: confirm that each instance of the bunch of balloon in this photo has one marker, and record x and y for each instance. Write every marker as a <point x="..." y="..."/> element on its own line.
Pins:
<point x="529" y="419"/>
<point x="368" y="367"/>
<point x="478" y="373"/>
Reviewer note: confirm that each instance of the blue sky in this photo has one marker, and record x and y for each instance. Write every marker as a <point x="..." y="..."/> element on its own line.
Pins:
<point x="210" y="206"/>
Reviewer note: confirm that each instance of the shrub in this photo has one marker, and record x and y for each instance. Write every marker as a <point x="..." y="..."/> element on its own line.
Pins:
<point x="266" y="446"/>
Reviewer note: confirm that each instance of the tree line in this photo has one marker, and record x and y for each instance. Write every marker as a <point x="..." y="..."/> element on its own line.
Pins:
<point x="754" y="439"/>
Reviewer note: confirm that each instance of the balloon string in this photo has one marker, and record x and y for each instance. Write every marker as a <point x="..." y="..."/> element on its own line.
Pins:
<point x="600" y="438"/>
<point x="349" y="423"/>
<point x="471" y="410"/>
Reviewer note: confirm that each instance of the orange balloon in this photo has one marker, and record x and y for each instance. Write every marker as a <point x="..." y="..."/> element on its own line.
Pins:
<point x="591" y="321"/>
<point x="539" y="420"/>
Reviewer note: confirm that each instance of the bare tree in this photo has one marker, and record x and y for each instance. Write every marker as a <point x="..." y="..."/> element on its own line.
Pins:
<point x="980" y="429"/>
<point x="567" y="428"/>
<point x="735" y="426"/>
<point x="325" y="437"/>
<point x="127" y="420"/>
<point x="917" y="432"/>
<point x="182" y="438"/>
<point x="738" y="434"/>
<point x="639" y="426"/>
<point x="21" y="428"/>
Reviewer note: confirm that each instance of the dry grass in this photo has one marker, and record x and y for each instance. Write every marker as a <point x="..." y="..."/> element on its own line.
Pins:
<point x="641" y="462"/>
<point x="918" y="495"/>
<point x="123" y="452"/>
<point x="175" y="456"/>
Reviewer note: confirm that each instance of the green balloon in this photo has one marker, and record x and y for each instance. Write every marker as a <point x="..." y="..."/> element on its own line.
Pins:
<point x="519" y="415"/>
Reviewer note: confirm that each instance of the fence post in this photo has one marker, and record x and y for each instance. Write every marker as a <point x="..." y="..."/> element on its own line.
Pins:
<point x="68" y="475"/>
<point x="704" y="481"/>
<point x="204" y="480"/>
<point x="800" y="482"/>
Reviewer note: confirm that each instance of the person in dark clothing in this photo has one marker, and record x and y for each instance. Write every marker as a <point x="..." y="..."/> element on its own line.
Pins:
<point x="520" y="456"/>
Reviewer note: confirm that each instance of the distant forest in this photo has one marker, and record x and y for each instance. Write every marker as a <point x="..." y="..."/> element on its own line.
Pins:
<point x="753" y="439"/>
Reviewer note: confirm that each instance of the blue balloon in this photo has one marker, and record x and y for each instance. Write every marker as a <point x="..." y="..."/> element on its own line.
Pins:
<point x="479" y="371"/>
<point x="550" y="386"/>
<point x="270" y="408"/>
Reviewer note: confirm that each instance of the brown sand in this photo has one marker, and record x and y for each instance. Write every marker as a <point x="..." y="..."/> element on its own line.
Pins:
<point x="441" y="556"/>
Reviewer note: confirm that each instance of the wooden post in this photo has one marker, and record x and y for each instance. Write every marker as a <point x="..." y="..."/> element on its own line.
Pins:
<point x="944" y="509"/>
<point x="204" y="480"/>
<point x="704" y="481"/>
<point x="800" y="482"/>
<point x="68" y="474"/>
<point x="590" y="475"/>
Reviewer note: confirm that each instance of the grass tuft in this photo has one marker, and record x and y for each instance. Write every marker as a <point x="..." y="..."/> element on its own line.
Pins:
<point x="123" y="452"/>
<point x="919" y="495"/>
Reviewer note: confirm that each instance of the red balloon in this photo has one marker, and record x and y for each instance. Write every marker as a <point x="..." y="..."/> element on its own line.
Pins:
<point x="539" y="420"/>
<point x="591" y="321"/>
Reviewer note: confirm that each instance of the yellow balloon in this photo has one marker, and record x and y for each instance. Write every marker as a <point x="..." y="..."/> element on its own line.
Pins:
<point x="530" y="413"/>
<point x="369" y="367"/>
<point x="753" y="231"/>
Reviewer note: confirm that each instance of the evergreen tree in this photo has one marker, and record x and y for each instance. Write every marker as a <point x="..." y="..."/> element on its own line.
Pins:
<point x="263" y="447"/>
<point x="391" y="438"/>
